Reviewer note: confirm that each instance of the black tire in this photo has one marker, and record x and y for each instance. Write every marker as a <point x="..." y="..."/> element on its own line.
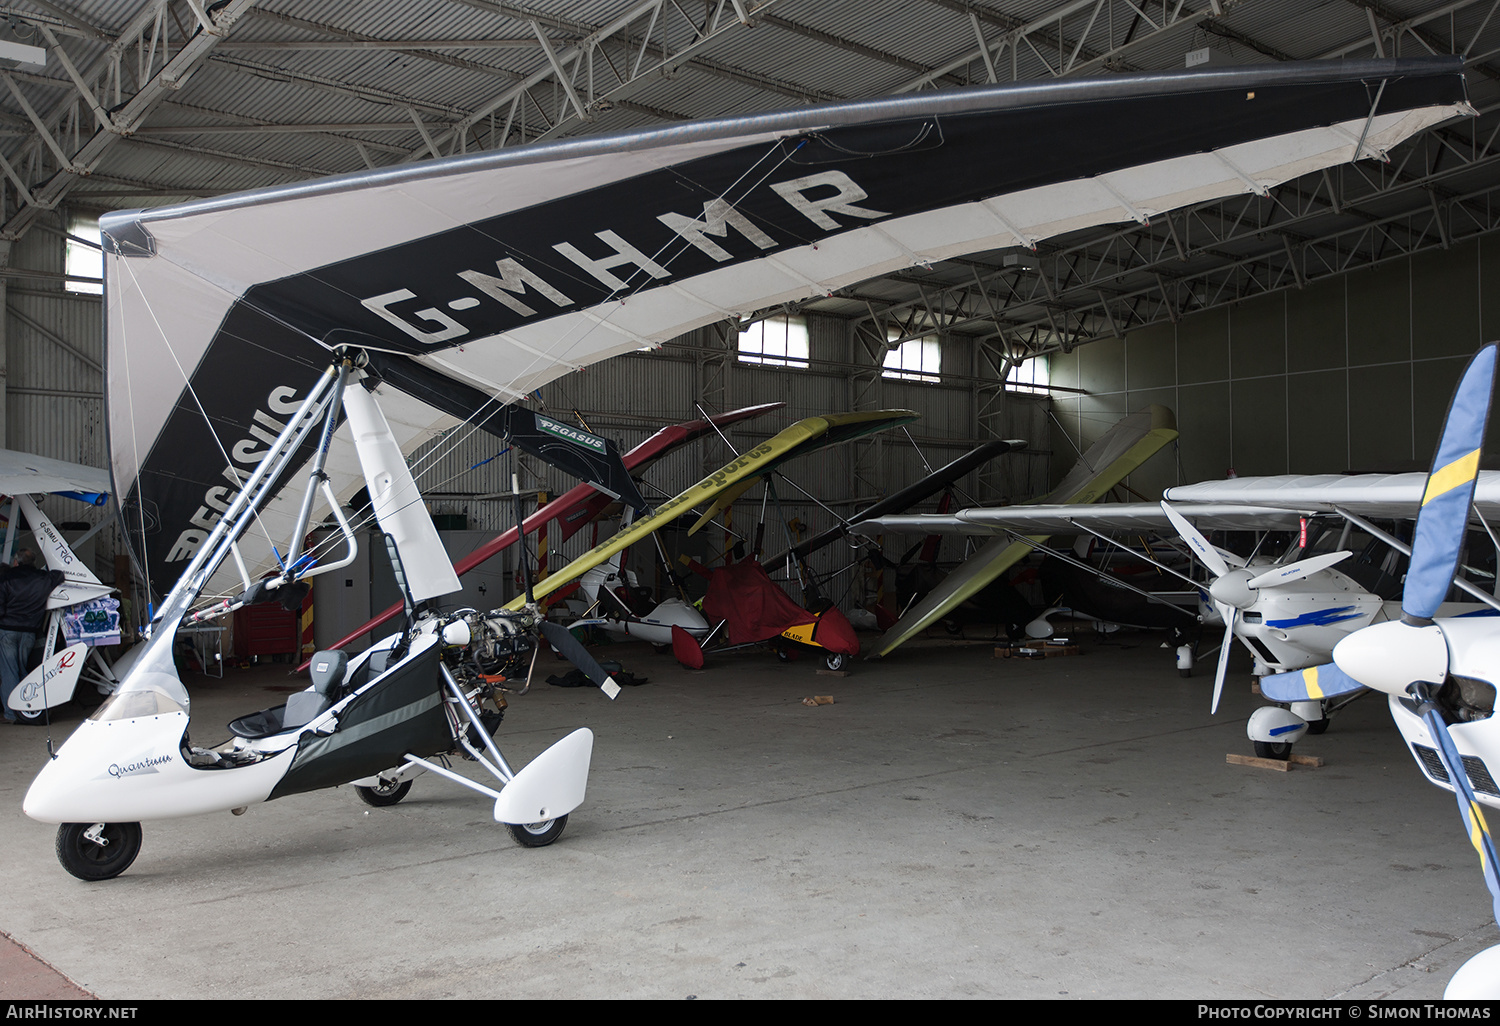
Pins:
<point x="382" y="795"/>
<point x="1317" y="726"/>
<point x="1273" y="750"/>
<point x="835" y="660"/>
<point x="90" y="860"/>
<point x="953" y="627"/>
<point x="538" y="835"/>
<point x="31" y="717"/>
<point x="783" y="655"/>
<point x="661" y="649"/>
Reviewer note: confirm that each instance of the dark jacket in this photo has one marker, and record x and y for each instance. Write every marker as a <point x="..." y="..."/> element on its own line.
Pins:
<point x="23" y="597"/>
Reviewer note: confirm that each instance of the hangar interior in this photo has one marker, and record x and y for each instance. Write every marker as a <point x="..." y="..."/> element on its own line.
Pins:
<point x="1315" y="327"/>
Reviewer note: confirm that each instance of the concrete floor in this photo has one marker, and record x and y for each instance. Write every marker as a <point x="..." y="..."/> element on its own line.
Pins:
<point x="954" y="826"/>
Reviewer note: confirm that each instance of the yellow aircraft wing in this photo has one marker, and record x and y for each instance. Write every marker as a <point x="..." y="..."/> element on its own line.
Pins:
<point x="801" y="438"/>
<point x="1108" y="461"/>
<point x="726" y="499"/>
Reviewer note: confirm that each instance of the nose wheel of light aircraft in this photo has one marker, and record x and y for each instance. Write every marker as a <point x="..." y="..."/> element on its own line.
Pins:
<point x="383" y="794"/>
<point x="98" y="851"/>
<point x="1273" y="730"/>
<point x="835" y="660"/>
<point x="538" y="835"/>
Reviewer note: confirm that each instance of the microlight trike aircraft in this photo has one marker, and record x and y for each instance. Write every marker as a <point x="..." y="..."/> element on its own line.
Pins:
<point x="458" y="287"/>
<point x="79" y="608"/>
<point x="371" y="720"/>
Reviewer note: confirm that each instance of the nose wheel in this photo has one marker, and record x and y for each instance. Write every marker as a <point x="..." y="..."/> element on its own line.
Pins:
<point x="98" y="851"/>
<point x="538" y="835"/>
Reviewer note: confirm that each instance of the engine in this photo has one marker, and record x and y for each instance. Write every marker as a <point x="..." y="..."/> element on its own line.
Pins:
<point x="480" y="647"/>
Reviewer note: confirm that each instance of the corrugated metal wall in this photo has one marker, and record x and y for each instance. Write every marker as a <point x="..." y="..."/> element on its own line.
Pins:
<point x="54" y="398"/>
<point x="1350" y="373"/>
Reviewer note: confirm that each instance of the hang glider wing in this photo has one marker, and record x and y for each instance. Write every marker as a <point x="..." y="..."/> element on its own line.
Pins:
<point x="728" y="497"/>
<point x="505" y="270"/>
<point x="805" y="436"/>
<point x="907" y="497"/>
<point x="842" y="427"/>
<point x="24" y="474"/>
<point x="1107" y="462"/>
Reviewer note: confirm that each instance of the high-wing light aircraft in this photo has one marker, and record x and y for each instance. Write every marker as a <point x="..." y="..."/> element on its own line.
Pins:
<point x="1289" y="614"/>
<point x="1438" y="673"/>
<point x="454" y="288"/>
<point x="1287" y="637"/>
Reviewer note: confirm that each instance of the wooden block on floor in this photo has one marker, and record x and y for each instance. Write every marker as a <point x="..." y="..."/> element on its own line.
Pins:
<point x="1280" y="765"/>
<point x="833" y="673"/>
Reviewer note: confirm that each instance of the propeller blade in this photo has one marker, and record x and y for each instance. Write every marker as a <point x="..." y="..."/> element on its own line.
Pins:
<point x="1468" y="808"/>
<point x="560" y="638"/>
<point x="1299" y="570"/>
<point x="1309" y="685"/>
<point x="1443" y="516"/>
<point x="1231" y="615"/>
<point x="1195" y="540"/>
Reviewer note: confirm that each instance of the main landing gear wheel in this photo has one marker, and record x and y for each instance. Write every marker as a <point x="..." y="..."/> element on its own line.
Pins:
<point x="835" y="660"/>
<point x="1317" y="726"/>
<point x="538" y="835"/>
<point x="1273" y="750"/>
<point x="383" y="794"/>
<point x="30" y="716"/>
<point x="98" y="851"/>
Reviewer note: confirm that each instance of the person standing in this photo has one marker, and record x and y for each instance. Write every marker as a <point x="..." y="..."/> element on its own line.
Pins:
<point x="23" y="611"/>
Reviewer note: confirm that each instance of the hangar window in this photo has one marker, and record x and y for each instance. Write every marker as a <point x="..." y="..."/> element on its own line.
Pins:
<point x="1029" y="376"/>
<point x="775" y="342"/>
<point x="83" y="257"/>
<point x="917" y="359"/>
